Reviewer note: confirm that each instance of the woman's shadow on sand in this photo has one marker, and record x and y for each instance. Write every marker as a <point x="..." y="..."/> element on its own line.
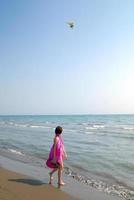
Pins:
<point x="29" y="181"/>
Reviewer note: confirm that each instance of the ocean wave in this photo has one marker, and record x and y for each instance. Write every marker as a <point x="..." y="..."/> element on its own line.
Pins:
<point x="39" y="126"/>
<point x="128" y="128"/>
<point x="25" y="125"/>
<point x="70" y="130"/>
<point x="89" y="133"/>
<point x="95" y="127"/>
<point x="98" y="126"/>
<point x="15" y="152"/>
<point x="85" y="123"/>
<point x="91" y="128"/>
<point x="21" y="125"/>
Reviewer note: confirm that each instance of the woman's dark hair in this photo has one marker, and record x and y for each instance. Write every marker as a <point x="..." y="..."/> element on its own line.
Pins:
<point x="58" y="130"/>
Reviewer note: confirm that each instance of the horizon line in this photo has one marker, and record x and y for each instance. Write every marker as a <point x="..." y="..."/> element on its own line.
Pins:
<point x="66" y="114"/>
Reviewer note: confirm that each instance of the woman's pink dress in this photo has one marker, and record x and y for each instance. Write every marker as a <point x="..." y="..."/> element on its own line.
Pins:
<point x="59" y="154"/>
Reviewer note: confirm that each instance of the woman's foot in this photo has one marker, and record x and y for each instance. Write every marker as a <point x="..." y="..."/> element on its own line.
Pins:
<point x="51" y="178"/>
<point x="61" y="183"/>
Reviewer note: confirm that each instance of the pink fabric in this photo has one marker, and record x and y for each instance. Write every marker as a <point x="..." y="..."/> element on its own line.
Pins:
<point x="59" y="153"/>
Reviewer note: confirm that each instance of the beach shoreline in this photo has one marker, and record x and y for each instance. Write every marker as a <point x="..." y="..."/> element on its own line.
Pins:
<point x="22" y="172"/>
<point x="14" y="186"/>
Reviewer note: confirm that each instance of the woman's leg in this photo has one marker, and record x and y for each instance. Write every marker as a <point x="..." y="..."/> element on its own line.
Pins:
<point x="51" y="173"/>
<point x="60" y="169"/>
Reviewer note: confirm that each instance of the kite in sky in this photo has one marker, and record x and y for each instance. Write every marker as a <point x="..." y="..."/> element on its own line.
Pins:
<point x="71" y="24"/>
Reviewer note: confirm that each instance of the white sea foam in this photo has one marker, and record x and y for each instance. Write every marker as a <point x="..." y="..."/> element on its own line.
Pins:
<point x="89" y="133"/>
<point x="34" y="126"/>
<point x="95" y="127"/>
<point x="38" y="126"/>
<point x="84" y="123"/>
<point x="11" y="123"/>
<point x="21" y="125"/>
<point x="91" y="128"/>
<point x="26" y="125"/>
<point x="98" y="126"/>
<point x="128" y="128"/>
<point x="15" y="151"/>
<point x="121" y="191"/>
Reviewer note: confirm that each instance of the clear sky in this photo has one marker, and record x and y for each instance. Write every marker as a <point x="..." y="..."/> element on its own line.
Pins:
<point x="48" y="68"/>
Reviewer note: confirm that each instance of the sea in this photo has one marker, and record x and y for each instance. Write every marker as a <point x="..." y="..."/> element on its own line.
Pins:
<point x="100" y="148"/>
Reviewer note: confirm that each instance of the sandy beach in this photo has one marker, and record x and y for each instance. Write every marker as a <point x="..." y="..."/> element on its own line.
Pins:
<point x="20" y="181"/>
<point x="14" y="186"/>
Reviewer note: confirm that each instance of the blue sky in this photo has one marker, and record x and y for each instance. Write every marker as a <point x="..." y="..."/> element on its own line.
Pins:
<point x="48" y="68"/>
